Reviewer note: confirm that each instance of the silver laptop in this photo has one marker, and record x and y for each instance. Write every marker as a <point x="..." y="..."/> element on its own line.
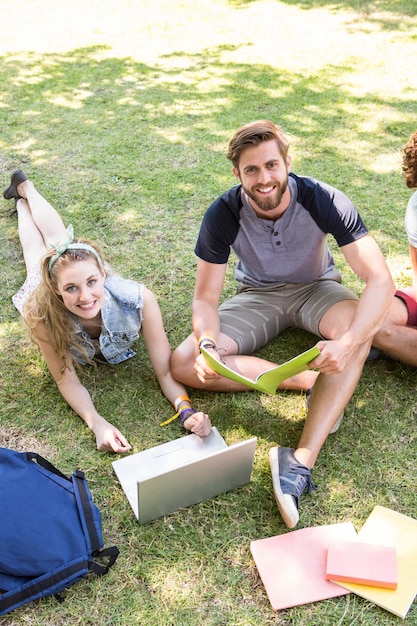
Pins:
<point x="182" y="472"/>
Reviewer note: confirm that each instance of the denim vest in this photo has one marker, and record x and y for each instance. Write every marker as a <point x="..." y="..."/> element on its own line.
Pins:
<point x="121" y="316"/>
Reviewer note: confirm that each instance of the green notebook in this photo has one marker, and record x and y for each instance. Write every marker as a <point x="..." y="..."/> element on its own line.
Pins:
<point x="268" y="381"/>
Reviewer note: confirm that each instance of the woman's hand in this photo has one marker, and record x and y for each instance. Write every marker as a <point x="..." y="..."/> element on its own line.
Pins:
<point x="109" y="438"/>
<point x="198" y="423"/>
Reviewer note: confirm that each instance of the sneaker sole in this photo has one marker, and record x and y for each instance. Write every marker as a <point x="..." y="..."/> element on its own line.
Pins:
<point x="285" y="501"/>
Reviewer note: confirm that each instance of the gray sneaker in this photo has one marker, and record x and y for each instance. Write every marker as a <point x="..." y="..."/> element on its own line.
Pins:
<point x="289" y="479"/>
<point x="374" y="355"/>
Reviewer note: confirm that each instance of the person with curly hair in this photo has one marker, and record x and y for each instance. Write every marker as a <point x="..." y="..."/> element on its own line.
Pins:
<point x="79" y="311"/>
<point x="397" y="336"/>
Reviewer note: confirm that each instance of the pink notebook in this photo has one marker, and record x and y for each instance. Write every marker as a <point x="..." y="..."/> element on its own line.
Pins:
<point x="292" y="566"/>
<point x="363" y="563"/>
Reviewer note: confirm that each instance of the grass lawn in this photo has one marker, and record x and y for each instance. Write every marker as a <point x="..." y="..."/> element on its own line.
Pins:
<point x="121" y="111"/>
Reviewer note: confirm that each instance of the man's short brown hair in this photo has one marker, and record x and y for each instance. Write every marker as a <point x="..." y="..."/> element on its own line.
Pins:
<point x="253" y="134"/>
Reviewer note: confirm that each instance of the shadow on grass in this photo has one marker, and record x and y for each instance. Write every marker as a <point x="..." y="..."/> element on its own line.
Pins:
<point x="372" y="9"/>
<point x="110" y="134"/>
<point x="133" y="154"/>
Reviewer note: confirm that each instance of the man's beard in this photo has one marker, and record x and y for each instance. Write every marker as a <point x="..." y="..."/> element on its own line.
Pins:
<point x="272" y="202"/>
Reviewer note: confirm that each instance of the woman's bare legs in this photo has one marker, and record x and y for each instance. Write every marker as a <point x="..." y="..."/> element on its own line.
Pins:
<point x="39" y="224"/>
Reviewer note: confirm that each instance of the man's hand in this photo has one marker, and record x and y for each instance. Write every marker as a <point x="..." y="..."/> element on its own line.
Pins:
<point x="204" y="372"/>
<point x="333" y="357"/>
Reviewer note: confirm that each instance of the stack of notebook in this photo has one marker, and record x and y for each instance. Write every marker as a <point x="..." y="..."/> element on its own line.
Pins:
<point x="311" y="564"/>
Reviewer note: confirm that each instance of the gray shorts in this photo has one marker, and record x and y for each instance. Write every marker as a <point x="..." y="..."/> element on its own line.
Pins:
<point x="256" y="315"/>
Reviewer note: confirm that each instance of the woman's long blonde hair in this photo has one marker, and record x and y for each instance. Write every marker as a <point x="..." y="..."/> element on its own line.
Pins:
<point x="45" y="305"/>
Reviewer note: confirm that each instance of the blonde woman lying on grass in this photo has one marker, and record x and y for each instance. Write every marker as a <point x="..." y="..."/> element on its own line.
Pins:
<point x="79" y="312"/>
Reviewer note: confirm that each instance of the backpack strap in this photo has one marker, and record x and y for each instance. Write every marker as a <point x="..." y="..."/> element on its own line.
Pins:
<point x="38" y="587"/>
<point x="85" y="510"/>
<point x="86" y="514"/>
<point x="34" y="456"/>
<point x="112" y="552"/>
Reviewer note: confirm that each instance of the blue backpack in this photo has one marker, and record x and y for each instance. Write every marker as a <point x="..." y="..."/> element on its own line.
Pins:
<point x="50" y="530"/>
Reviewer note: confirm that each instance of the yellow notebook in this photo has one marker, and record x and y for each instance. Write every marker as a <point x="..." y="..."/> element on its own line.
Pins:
<point x="268" y="381"/>
<point x="389" y="528"/>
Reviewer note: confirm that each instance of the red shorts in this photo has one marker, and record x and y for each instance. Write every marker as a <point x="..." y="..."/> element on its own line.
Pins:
<point x="407" y="295"/>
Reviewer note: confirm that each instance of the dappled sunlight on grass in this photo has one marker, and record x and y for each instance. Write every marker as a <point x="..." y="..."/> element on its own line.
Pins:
<point x="151" y="32"/>
<point x="121" y="112"/>
<point x="400" y="268"/>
